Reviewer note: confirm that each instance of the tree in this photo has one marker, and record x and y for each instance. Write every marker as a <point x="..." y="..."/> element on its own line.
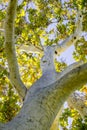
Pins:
<point x="44" y="99"/>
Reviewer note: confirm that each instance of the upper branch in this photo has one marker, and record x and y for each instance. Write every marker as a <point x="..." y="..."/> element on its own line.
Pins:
<point x="10" y="49"/>
<point x="78" y="100"/>
<point x="72" y="39"/>
<point x="31" y="49"/>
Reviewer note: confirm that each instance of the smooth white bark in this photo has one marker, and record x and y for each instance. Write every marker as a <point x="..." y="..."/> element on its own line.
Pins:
<point x="73" y="38"/>
<point x="10" y="49"/>
<point x="31" y="49"/>
<point x="41" y="105"/>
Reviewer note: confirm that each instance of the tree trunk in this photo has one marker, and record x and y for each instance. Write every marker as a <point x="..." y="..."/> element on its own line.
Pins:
<point x="42" y="105"/>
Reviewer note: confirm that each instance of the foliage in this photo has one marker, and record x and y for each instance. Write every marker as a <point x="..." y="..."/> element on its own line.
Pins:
<point x="77" y="122"/>
<point x="9" y="101"/>
<point x="44" y="21"/>
<point x="81" y="50"/>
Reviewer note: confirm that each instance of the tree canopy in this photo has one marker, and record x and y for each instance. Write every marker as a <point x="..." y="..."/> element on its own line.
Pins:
<point x="39" y="23"/>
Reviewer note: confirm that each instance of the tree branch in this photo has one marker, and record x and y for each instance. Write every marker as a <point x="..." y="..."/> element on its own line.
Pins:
<point x="48" y="100"/>
<point x="73" y="38"/>
<point x="78" y="100"/>
<point x="10" y="49"/>
<point x="31" y="49"/>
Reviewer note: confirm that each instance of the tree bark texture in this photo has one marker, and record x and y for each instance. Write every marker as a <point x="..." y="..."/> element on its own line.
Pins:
<point x="42" y="105"/>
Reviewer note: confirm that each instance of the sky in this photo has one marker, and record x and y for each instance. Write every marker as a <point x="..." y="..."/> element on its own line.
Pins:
<point x="67" y="56"/>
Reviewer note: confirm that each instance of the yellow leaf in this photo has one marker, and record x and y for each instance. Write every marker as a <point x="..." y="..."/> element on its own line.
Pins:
<point x="22" y="13"/>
